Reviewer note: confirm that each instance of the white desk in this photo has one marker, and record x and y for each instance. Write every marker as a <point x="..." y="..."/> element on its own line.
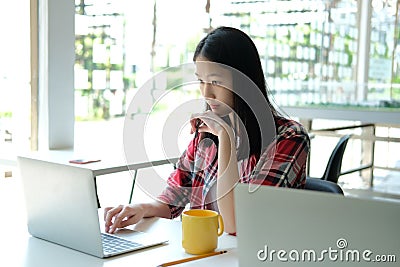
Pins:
<point x="30" y="251"/>
<point x="108" y="163"/>
<point x="18" y="248"/>
<point x="332" y="113"/>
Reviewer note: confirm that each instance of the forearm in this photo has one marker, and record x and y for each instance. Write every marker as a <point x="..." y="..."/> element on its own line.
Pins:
<point x="228" y="176"/>
<point x="156" y="209"/>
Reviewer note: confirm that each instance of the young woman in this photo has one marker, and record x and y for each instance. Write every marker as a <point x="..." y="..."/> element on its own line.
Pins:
<point x="239" y="138"/>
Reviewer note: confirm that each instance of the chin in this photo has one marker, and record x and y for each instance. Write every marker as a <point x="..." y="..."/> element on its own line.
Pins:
<point x="221" y="113"/>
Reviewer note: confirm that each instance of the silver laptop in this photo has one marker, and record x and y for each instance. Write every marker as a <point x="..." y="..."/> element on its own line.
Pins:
<point x="62" y="208"/>
<point x="278" y="226"/>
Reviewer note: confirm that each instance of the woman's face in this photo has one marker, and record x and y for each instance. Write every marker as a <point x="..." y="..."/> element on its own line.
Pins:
<point x="215" y="85"/>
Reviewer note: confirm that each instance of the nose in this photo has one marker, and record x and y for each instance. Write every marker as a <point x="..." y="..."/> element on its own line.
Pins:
<point x="207" y="90"/>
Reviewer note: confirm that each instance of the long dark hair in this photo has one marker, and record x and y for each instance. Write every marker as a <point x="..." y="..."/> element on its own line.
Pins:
<point x="234" y="48"/>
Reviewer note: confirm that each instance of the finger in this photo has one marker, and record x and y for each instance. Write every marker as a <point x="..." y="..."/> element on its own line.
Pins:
<point x="194" y="116"/>
<point x="192" y="126"/>
<point x="110" y="215"/>
<point x="125" y="214"/>
<point x="131" y="220"/>
<point x="107" y="209"/>
<point x="204" y="128"/>
<point x="111" y="212"/>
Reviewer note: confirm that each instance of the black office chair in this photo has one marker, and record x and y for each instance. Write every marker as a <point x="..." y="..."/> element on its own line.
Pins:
<point x="332" y="171"/>
<point x="317" y="184"/>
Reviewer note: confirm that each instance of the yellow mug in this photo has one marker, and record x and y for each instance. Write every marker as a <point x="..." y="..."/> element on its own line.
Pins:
<point x="200" y="230"/>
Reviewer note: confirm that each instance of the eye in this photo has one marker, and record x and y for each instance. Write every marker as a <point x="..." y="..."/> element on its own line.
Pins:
<point x="215" y="82"/>
<point x="200" y="80"/>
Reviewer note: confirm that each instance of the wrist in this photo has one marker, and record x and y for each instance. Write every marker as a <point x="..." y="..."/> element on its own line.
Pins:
<point x="155" y="209"/>
<point x="147" y="209"/>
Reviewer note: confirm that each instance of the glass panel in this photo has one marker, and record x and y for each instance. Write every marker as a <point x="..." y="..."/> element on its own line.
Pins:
<point x="308" y="49"/>
<point x="384" y="64"/>
<point x="120" y="44"/>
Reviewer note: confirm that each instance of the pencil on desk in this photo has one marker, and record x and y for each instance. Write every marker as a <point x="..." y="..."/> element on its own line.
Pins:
<point x="192" y="258"/>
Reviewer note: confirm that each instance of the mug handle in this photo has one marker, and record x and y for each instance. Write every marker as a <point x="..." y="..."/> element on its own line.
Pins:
<point x="221" y="225"/>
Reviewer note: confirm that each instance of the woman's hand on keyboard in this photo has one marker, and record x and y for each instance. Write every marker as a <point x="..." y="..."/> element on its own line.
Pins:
<point x="122" y="216"/>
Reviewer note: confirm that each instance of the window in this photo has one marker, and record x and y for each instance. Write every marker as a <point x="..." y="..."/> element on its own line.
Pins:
<point x="14" y="78"/>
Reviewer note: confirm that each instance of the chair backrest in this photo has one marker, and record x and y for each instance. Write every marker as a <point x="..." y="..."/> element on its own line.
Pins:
<point x="332" y="171"/>
<point x="317" y="184"/>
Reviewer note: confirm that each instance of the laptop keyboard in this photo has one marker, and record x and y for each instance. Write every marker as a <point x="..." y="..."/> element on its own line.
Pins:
<point x="113" y="244"/>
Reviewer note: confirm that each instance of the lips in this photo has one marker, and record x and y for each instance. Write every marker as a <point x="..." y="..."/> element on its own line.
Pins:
<point x="214" y="106"/>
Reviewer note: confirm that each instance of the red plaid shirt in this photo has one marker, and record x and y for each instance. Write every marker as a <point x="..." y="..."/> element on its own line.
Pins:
<point x="194" y="179"/>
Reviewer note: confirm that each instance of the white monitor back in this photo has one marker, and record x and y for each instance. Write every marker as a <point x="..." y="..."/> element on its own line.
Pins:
<point x="278" y="226"/>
